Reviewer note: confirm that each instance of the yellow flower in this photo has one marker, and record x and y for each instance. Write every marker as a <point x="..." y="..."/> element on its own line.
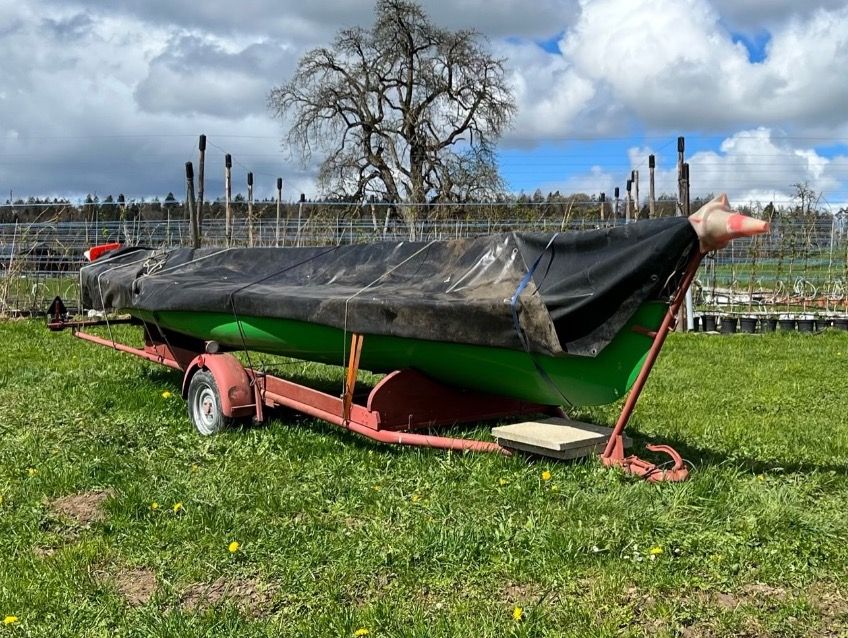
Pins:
<point x="656" y="550"/>
<point x="546" y="476"/>
<point x="362" y="631"/>
<point x="32" y="471"/>
<point x="154" y="505"/>
<point x="517" y="614"/>
<point x="9" y="620"/>
<point x="177" y="508"/>
<point x="376" y="488"/>
<point x="166" y="395"/>
<point x="415" y="497"/>
<point x="503" y="482"/>
<point x="233" y="547"/>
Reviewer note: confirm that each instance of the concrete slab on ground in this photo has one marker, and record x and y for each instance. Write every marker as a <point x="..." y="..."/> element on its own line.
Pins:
<point x="558" y="437"/>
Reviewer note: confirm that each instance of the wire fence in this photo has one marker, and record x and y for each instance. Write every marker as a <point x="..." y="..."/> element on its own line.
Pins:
<point x="800" y="267"/>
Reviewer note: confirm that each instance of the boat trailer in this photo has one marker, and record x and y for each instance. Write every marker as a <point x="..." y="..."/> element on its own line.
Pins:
<point x="220" y="390"/>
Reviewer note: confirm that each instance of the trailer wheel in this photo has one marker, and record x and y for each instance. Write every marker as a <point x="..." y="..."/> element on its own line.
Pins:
<point x="204" y="404"/>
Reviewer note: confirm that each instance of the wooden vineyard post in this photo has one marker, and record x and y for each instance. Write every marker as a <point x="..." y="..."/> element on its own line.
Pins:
<point x="617" y="202"/>
<point x="190" y="203"/>
<point x="122" y="213"/>
<point x="686" y="310"/>
<point x="636" y="210"/>
<point x="279" y="209"/>
<point x="201" y="164"/>
<point x="689" y="305"/>
<point x="602" y="200"/>
<point x="228" y="199"/>
<point x="250" y="237"/>
<point x="681" y="145"/>
<point x="652" y="163"/>
<point x="300" y="215"/>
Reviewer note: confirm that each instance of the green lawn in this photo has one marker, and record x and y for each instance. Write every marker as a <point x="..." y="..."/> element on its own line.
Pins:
<point x="337" y="534"/>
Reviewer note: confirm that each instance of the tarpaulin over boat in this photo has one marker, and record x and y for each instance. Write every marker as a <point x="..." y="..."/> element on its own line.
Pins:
<point x="584" y="288"/>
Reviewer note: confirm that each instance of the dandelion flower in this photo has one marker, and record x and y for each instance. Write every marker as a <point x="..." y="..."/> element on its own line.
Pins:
<point x="546" y="475"/>
<point x="31" y="471"/>
<point x="177" y="508"/>
<point x="166" y="394"/>
<point x="362" y="631"/>
<point x="415" y="497"/>
<point x="502" y="482"/>
<point x="656" y="550"/>
<point x="154" y="506"/>
<point x="517" y="614"/>
<point x="233" y="547"/>
<point x="10" y="620"/>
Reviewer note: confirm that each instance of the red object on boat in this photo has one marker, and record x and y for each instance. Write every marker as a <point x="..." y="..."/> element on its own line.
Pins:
<point x="95" y="252"/>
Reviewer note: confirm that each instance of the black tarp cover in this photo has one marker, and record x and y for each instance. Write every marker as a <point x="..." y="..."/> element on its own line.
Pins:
<point x="586" y="285"/>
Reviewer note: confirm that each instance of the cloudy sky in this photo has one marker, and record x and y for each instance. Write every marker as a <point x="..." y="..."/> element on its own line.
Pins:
<point x="109" y="96"/>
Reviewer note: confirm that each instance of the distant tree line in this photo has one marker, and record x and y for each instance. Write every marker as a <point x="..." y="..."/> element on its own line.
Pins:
<point x="521" y="206"/>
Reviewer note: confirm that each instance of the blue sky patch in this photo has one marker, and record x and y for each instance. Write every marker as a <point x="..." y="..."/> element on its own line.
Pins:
<point x="755" y="44"/>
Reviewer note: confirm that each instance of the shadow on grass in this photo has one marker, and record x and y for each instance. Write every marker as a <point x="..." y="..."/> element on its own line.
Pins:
<point x="700" y="457"/>
<point x="703" y="457"/>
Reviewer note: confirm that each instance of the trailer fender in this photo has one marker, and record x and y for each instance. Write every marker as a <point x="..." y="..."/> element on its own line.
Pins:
<point x="236" y="393"/>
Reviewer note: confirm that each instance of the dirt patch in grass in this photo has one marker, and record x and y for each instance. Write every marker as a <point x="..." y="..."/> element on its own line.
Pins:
<point x="832" y="605"/>
<point x="725" y="600"/>
<point x="137" y="586"/>
<point x="249" y="596"/>
<point x="84" y="508"/>
<point x="363" y="591"/>
<point x="520" y="592"/>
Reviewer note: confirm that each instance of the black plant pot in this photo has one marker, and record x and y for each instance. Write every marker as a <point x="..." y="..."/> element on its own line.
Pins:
<point x="728" y="325"/>
<point x="841" y="323"/>
<point x="806" y="325"/>
<point x="709" y="323"/>
<point x="748" y="325"/>
<point x="786" y="324"/>
<point x="768" y="324"/>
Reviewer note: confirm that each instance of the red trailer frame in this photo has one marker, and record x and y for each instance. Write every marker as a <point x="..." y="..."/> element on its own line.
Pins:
<point x="402" y="402"/>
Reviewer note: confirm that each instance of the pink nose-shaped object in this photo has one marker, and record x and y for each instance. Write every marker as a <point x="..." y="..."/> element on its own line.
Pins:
<point x="716" y="224"/>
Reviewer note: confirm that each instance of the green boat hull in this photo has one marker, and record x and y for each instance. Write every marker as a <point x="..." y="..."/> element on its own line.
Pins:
<point x="573" y="380"/>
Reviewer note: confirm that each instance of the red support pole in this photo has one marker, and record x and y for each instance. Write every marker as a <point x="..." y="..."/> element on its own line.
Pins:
<point x="614" y="452"/>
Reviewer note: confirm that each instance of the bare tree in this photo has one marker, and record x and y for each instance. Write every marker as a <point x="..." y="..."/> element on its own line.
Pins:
<point x="404" y="111"/>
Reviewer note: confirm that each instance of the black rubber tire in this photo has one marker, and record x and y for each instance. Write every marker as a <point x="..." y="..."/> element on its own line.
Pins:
<point x="204" y="405"/>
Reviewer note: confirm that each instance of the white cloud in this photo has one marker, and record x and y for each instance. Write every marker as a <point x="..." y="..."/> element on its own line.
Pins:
<point x="109" y="96"/>
<point x="752" y="165"/>
<point x="553" y="100"/>
<point x="70" y="122"/>
<point x="196" y="75"/>
<point x="759" y="14"/>
<point x="673" y="64"/>
<point x="316" y="21"/>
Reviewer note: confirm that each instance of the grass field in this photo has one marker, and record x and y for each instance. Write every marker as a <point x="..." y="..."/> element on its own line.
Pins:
<point x="117" y="520"/>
